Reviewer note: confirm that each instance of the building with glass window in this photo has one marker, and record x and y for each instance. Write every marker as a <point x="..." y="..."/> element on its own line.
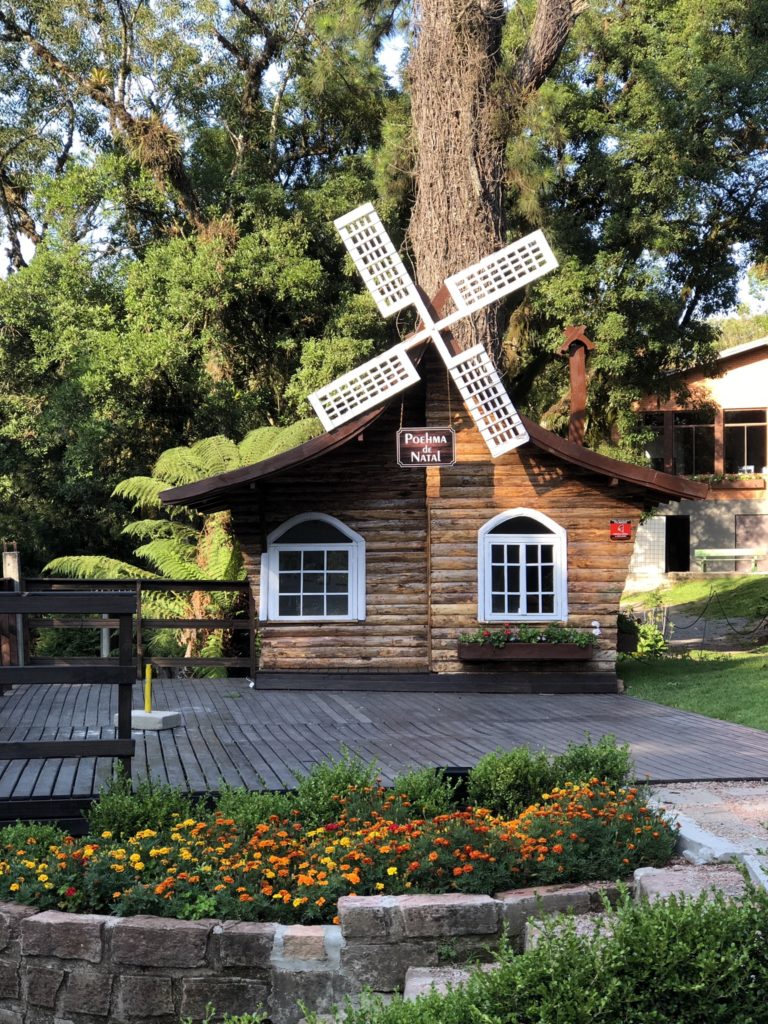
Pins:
<point x="715" y="428"/>
<point x="359" y="564"/>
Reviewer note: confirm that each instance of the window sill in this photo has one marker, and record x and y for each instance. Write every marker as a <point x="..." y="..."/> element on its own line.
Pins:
<point x="525" y="652"/>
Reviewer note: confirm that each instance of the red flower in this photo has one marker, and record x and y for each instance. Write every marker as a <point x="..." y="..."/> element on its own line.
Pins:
<point x="71" y="891"/>
<point x="332" y="826"/>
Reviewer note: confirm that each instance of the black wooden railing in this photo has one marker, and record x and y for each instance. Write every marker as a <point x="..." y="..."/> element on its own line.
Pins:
<point x="243" y="620"/>
<point x="119" y="672"/>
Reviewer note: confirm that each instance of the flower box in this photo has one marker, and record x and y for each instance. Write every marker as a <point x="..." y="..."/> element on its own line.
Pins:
<point x="744" y="483"/>
<point x="524" y="652"/>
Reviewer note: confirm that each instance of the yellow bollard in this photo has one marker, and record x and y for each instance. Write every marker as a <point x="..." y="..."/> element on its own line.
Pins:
<point x="148" y="689"/>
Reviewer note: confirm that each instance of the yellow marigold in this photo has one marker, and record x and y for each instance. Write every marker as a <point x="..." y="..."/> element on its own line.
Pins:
<point x="14" y="886"/>
<point x="106" y="834"/>
<point x="392" y="870"/>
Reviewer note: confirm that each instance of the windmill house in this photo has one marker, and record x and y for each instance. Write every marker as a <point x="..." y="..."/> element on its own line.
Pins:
<point x="431" y="507"/>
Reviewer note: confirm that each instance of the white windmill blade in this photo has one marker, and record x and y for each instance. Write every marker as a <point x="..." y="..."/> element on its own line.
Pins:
<point x="499" y="274"/>
<point x="364" y="387"/>
<point x="487" y="401"/>
<point x="377" y="260"/>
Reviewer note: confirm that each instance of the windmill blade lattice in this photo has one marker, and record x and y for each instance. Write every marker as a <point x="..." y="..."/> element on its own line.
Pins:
<point x="487" y="401"/>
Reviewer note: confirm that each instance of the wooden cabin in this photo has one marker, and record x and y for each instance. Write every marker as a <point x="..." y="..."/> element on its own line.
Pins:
<point x="358" y="564"/>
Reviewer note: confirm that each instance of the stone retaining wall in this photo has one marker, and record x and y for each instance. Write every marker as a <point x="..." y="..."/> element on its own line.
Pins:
<point x="58" y="968"/>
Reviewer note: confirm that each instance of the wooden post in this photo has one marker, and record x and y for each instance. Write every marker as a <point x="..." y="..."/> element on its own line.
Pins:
<point x="12" y="571"/>
<point x="576" y="346"/>
<point x="125" y="690"/>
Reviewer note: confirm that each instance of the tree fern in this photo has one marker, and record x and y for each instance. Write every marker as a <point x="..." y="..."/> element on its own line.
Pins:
<point x="179" y="466"/>
<point x="143" y="491"/>
<point x="218" y="454"/>
<point x="151" y="529"/>
<point x="258" y="444"/>
<point x="95" y="567"/>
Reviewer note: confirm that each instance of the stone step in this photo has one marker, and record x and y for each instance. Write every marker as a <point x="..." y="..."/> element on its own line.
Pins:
<point x="688" y="880"/>
<point x="421" y="980"/>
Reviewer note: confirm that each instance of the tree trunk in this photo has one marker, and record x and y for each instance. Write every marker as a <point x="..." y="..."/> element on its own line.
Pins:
<point x="464" y="104"/>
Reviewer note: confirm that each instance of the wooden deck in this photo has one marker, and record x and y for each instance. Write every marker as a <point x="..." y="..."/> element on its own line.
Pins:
<point x="265" y="737"/>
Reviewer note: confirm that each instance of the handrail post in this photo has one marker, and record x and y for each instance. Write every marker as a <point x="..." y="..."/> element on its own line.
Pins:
<point x="125" y="690"/>
<point x="139" y="634"/>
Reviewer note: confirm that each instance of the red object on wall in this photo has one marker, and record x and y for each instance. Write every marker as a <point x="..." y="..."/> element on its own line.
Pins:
<point x="621" y="529"/>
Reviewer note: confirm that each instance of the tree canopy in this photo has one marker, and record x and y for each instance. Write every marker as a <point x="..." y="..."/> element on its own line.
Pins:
<point x="170" y="170"/>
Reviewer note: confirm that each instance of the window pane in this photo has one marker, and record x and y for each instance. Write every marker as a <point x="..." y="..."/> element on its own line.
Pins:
<point x="532" y="580"/>
<point x="533" y="604"/>
<point x="289" y="560"/>
<point x="290" y="583"/>
<point x="337" y="559"/>
<point x="337" y="604"/>
<point x="548" y="578"/>
<point x="744" y="416"/>
<point x="314" y="583"/>
<point x="312" y="531"/>
<point x="497" y="578"/>
<point x="289" y="605"/>
<point x="314" y="560"/>
<point x="498" y="604"/>
<point x="531" y="554"/>
<point x="547" y="604"/>
<point x="513" y="605"/>
<point x="497" y="554"/>
<point x="520" y="524"/>
<point x="314" y="605"/>
<point x="337" y="583"/>
<point x="547" y="554"/>
<point x="513" y="579"/>
<point x="756" y="447"/>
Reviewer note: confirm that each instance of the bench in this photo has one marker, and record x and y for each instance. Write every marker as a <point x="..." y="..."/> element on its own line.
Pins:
<point x="705" y="555"/>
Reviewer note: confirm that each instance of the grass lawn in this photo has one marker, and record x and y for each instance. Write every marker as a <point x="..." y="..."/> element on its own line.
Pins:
<point x="736" y="596"/>
<point x="733" y="687"/>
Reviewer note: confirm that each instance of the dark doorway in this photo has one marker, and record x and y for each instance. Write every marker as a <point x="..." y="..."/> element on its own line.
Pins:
<point x="677" y="547"/>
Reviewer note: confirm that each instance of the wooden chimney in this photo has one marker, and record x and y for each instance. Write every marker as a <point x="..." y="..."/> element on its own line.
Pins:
<point x="576" y="346"/>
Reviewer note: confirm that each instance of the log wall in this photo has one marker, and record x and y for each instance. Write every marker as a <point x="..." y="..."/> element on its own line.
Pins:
<point x="420" y="528"/>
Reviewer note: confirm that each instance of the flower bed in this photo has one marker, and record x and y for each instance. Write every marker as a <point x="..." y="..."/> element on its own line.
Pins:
<point x="284" y="871"/>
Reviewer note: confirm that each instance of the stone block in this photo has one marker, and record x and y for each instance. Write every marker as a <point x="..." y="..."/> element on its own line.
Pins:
<point x="421" y="980"/>
<point x="87" y="993"/>
<point x="144" y="995"/>
<point x="585" y="925"/>
<point x="245" y="944"/>
<point x="382" y="967"/>
<point x="518" y="905"/>
<point x="374" y="918"/>
<point x="8" y="1016"/>
<point x="226" y="995"/>
<point x="66" y="936"/>
<point x="41" y="985"/>
<point x="160" y="942"/>
<point x="290" y="988"/>
<point x="304" y="942"/>
<point x="11" y="916"/>
<point x="448" y="915"/>
<point x="9" y="979"/>
<point x="688" y="880"/>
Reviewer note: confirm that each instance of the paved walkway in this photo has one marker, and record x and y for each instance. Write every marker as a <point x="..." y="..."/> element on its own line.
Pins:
<point x="258" y="738"/>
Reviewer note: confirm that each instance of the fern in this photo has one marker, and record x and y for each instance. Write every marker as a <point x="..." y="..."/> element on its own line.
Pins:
<point x="173" y="559"/>
<point x="296" y="434"/>
<point x="179" y="466"/>
<point x="143" y="491"/>
<point x="258" y="444"/>
<point x="218" y="454"/>
<point x="94" y="567"/>
<point x="155" y="529"/>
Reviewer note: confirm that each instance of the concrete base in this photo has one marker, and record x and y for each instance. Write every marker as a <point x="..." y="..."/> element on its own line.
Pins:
<point x="147" y="720"/>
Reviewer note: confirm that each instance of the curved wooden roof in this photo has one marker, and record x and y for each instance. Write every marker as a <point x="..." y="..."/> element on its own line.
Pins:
<point x="213" y="494"/>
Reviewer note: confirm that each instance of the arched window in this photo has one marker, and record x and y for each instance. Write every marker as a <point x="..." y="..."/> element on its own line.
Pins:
<point x="522" y="570"/>
<point x="313" y="568"/>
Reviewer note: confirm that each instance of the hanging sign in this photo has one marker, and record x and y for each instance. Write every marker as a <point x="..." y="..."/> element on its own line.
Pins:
<point x="426" y="446"/>
<point x="621" y="529"/>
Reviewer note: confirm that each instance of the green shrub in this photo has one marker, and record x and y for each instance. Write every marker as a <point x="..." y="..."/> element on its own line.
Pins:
<point x="122" y="811"/>
<point x="249" y="808"/>
<point x="650" y="641"/>
<point x="429" y="791"/>
<point x="677" y="961"/>
<point x="603" y="760"/>
<point x="319" y="794"/>
<point x="509" y="781"/>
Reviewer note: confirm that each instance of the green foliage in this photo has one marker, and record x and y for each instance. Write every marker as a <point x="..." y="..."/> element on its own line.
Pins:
<point x="604" y="760"/>
<point x="728" y="597"/>
<point x="429" y="791"/>
<point x="250" y="807"/>
<point x="648" y="962"/>
<point x="509" y="781"/>
<point x="317" y="797"/>
<point x="650" y="641"/>
<point x="122" y="810"/>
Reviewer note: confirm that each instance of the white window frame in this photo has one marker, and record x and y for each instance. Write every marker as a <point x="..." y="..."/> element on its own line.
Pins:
<point x="269" y="594"/>
<point x="486" y="538"/>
